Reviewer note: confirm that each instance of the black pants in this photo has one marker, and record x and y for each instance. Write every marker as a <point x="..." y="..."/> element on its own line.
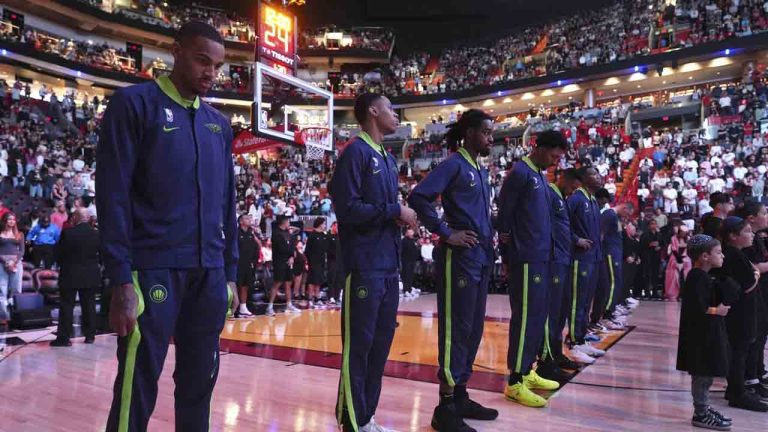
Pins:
<point x="43" y="253"/>
<point x="755" y="358"/>
<point x="88" y="306"/>
<point x="407" y="276"/>
<point x="737" y="371"/>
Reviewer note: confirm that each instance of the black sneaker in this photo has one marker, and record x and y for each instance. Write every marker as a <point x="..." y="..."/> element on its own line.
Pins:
<point x="748" y="402"/>
<point x="719" y="415"/>
<point x="470" y="409"/>
<point x="61" y="343"/>
<point x="759" y="391"/>
<point x="552" y="371"/>
<point x="447" y="419"/>
<point x="90" y="339"/>
<point x="566" y="363"/>
<point x="709" y="421"/>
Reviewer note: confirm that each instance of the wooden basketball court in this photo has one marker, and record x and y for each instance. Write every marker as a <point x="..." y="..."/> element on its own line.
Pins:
<point x="281" y="374"/>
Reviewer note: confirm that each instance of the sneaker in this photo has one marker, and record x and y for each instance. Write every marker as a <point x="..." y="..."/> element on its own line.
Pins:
<point x="332" y="301"/>
<point x="621" y="310"/>
<point x="759" y="391"/>
<point x="748" y="402"/>
<point x="270" y="311"/>
<point x="709" y="421"/>
<point x="580" y="357"/>
<point x="373" y="427"/>
<point x="719" y="415"/>
<point x="521" y="394"/>
<point x="89" y="339"/>
<point x="470" y="409"/>
<point x="589" y="350"/>
<point x="566" y="363"/>
<point x="534" y="381"/>
<point x="61" y="343"/>
<point x="416" y="290"/>
<point x="611" y="325"/>
<point x="551" y="371"/>
<point x="632" y="301"/>
<point x="243" y="311"/>
<point x="592" y="337"/>
<point x="446" y="418"/>
<point x="291" y="309"/>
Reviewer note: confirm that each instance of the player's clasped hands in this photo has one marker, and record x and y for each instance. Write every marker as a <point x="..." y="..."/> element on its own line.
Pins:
<point x="408" y="216"/>
<point x="463" y="238"/>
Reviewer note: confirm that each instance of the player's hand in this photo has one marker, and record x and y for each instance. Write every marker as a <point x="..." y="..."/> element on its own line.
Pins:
<point x="585" y="244"/>
<point x="290" y="262"/>
<point x="123" y="309"/>
<point x="408" y="216"/>
<point x="721" y="309"/>
<point x="504" y="238"/>
<point x="462" y="238"/>
<point x="235" y="298"/>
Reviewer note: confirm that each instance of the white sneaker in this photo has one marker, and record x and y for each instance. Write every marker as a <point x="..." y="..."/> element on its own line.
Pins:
<point x="580" y="357"/>
<point x="332" y="301"/>
<point x="291" y="309"/>
<point x="632" y="301"/>
<point x="416" y="290"/>
<point x="611" y="325"/>
<point x="589" y="350"/>
<point x="622" y="310"/>
<point x="373" y="427"/>
<point x="270" y="311"/>
<point x="243" y="311"/>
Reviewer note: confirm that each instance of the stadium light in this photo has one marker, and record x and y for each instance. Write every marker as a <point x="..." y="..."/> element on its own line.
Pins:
<point x="5" y="52"/>
<point x="727" y="51"/>
<point x="79" y="74"/>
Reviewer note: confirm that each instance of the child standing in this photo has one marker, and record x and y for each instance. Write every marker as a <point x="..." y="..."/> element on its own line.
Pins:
<point x="702" y="349"/>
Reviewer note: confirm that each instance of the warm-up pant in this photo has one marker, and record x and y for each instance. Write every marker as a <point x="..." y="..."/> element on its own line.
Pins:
<point x="462" y="290"/>
<point x="583" y="285"/>
<point x="609" y="287"/>
<point x="528" y="297"/>
<point x="559" y="304"/>
<point x="368" y="321"/>
<point x="188" y="305"/>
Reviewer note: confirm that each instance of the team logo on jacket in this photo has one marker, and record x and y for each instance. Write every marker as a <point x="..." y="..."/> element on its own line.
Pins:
<point x="584" y="273"/>
<point x="158" y="294"/>
<point x="462" y="282"/>
<point x="472" y="179"/>
<point x="362" y="292"/>
<point x="555" y="280"/>
<point x="213" y="127"/>
<point x="536" y="184"/>
<point x="586" y="207"/>
<point x="536" y="279"/>
<point x="375" y="168"/>
<point x="169" y="115"/>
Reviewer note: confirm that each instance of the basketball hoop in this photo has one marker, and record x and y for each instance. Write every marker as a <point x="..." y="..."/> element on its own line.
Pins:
<point x="317" y="141"/>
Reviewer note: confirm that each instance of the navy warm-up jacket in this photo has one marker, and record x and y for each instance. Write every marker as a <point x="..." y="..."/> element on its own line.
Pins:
<point x="561" y="227"/>
<point x="613" y="240"/>
<point x="465" y="193"/>
<point x="165" y="183"/>
<point x="585" y="223"/>
<point x="365" y="197"/>
<point x="524" y="213"/>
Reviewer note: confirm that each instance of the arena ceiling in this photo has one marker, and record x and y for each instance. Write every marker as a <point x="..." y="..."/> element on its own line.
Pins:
<point x="428" y="24"/>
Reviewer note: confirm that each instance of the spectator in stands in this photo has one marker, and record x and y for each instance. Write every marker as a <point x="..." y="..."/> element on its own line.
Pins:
<point x="679" y="264"/>
<point x="670" y="200"/>
<point x="77" y="254"/>
<point x="43" y="237"/>
<point x="722" y="206"/>
<point x="59" y="216"/>
<point x="660" y="218"/>
<point x="11" y="263"/>
<point x="316" y="253"/>
<point x="59" y="192"/>
<point x="250" y="252"/>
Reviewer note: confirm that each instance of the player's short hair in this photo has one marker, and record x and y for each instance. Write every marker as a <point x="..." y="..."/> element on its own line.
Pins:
<point x="551" y="139"/>
<point x="363" y="103"/>
<point x="282" y="219"/>
<point x="193" y="29"/>
<point x="718" y="198"/>
<point x="603" y="193"/>
<point x="571" y="174"/>
<point x="700" y="244"/>
<point x="319" y="221"/>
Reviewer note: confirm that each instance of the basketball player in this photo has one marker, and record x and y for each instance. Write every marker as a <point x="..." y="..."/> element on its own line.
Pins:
<point x="316" y="252"/>
<point x="584" y="214"/>
<point x="525" y="223"/>
<point x="365" y="197"/>
<point x="552" y="358"/>
<point x="169" y="232"/>
<point x="464" y="259"/>
<point x="610" y="278"/>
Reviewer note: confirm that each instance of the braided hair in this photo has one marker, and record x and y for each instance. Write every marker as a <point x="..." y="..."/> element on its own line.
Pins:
<point x="471" y="119"/>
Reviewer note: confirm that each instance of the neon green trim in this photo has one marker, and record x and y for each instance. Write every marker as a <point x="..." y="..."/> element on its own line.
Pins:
<point x="613" y="282"/>
<point x="368" y="140"/>
<point x="170" y="90"/>
<point x="462" y="151"/>
<point x="230" y="297"/>
<point x="573" y="303"/>
<point x="586" y="193"/>
<point x="556" y="189"/>
<point x="345" y="362"/>
<point x="530" y="164"/>
<point x="448" y="313"/>
<point x="521" y="342"/>
<point x="126" y="391"/>
<point x="547" y="347"/>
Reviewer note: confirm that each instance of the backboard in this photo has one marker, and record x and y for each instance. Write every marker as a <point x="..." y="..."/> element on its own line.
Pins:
<point x="284" y="105"/>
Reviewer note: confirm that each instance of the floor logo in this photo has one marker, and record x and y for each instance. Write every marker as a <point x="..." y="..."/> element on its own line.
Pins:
<point x="158" y="294"/>
<point x="362" y="292"/>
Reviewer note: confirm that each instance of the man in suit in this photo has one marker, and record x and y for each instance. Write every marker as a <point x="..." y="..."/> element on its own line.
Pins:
<point x="77" y="252"/>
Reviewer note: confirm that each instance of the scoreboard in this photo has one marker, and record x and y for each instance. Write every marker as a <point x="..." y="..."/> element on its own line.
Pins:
<point x="278" y="32"/>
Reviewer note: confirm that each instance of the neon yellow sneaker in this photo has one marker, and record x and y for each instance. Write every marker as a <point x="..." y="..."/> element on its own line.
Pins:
<point x="534" y="381"/>
<point x="521" y="394"/>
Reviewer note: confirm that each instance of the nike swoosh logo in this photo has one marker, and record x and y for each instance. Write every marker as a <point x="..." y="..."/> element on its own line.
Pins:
<point x="167" y="129"/>
<point x="472" y="184"/>
<point x="376" y="172"/>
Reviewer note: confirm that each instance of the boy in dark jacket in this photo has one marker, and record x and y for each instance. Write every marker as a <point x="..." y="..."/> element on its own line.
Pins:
<point x="702" y="347"/>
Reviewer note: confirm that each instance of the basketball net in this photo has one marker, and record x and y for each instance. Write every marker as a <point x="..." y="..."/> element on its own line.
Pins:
<point x="316" y="140"/>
